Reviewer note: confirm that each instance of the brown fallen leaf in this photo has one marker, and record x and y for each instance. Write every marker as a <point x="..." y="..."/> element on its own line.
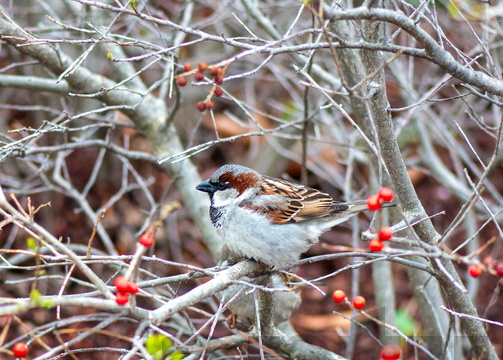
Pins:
<point x="228" y="127"/>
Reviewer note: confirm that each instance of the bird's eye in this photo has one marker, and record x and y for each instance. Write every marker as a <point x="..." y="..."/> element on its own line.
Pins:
<point x="221" y="185"/>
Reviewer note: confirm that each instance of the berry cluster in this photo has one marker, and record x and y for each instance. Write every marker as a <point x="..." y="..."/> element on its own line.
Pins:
<point x="374" y="203"/>
<point x="339" y="296"/>
<point x="490" y="265"/>
<point x="388" y="352"/>
<point x="124" y="287"/>
<point x="122" y="284"/>
<point x="214" y="71"/>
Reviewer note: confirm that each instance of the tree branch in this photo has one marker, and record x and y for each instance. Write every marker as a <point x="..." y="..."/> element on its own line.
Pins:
<point x="221" y="281"/>
<point x="435" y="52"/>
<point x="147" y="112"/>
<point x="391" y="155"/>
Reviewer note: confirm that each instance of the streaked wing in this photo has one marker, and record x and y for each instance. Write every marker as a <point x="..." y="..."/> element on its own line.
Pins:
<point x="285" y="202"/>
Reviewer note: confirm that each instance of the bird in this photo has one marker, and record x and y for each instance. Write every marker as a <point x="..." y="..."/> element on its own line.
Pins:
<point x="270" y="220"/>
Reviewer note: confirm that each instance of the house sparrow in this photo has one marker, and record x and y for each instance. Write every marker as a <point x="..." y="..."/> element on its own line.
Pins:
<point x="270" y="220"/>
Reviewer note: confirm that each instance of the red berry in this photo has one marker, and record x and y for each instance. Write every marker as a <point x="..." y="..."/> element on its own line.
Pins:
<point x="201" y="106"/>
<point x="209" y="105"/>
<point x="359" y="302"/>
<point x="386" y="194"/>
<point x="376" y="245"/>
<point x="218" y="91"/>
<point x="499" y="269"/>
<point x="121" y="284"/>
<point x="147" y="239"/>
<point x="338" y="296"/>
<point x="20" y="349"/>
<point x="391" y="352"/>
<point x="214" y="70"/>
<point x="133" y="287"/>
<point x="385" y="233"/>
<point x="198" y="76"/>
<point x="121" y="298"/>
<point x="181" y="81"/>
<point x="475" y="270"/>
<point x="202" y="66"/>
<point x="373" y="203"/>
<point x="125" y="286"/>
<point x="219" y="79"/>
<point x="187" y="67"/>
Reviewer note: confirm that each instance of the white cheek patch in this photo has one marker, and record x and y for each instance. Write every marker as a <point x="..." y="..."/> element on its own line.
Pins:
<point x="224" y="197"/>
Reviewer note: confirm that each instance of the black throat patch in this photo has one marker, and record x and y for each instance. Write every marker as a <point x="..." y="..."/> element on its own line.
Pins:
<point x="215" y="215"/>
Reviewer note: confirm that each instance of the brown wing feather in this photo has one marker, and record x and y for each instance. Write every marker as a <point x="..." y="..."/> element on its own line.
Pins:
<point x="301" y="203"/>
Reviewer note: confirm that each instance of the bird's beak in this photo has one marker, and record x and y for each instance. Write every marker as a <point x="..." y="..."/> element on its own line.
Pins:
<point x="206" y="187"/>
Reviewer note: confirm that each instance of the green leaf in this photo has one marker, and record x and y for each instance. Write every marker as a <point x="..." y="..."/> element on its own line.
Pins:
<point x="158" y="346"/>
<point x="40" y="272"/>
<point x="177" y="355"/>
<point x="46" y="304"/>
<point x="35" y="297"/>
<point x="31" y="243"/>
<point x="289" y="112"/>
<point x="405" y="323"/>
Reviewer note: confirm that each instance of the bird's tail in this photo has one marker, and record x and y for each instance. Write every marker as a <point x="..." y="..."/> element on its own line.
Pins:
<point x="358" y="206"/>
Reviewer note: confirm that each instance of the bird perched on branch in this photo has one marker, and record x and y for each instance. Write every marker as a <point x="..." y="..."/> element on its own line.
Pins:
<point x="270" y="220"/>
